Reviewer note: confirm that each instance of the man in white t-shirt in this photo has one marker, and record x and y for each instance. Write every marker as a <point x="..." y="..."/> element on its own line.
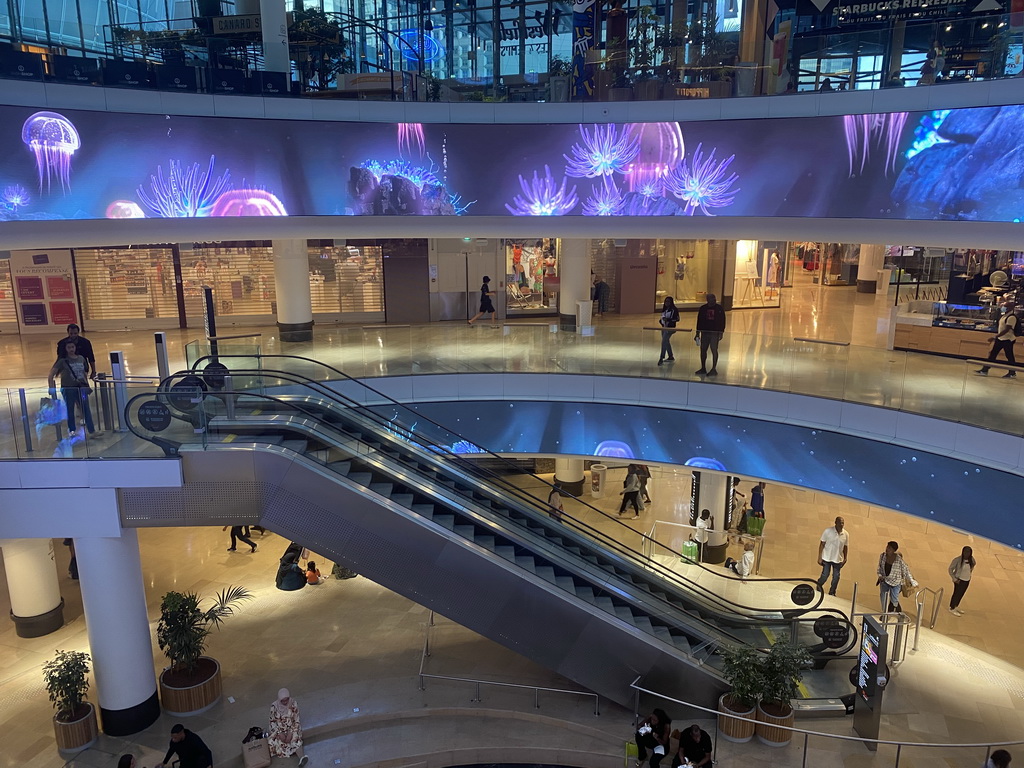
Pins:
<point x="1006" y="335"/>
<point x="832" y="552"/>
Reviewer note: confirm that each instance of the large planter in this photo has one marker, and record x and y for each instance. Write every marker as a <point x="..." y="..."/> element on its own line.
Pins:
<point x="78" y="734"/>
<point x="767" y="732"/>
<point x="736" y="726"/>
<point x="182" y="696"/>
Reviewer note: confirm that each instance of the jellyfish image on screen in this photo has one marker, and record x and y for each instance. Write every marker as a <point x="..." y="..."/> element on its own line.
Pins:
<point x="53" y="139"/>
<point x="661" y="149"/>
<point x="615" y="449"/>
<point x="15" y="196"/>
<point x="247" y="202"/>
<point x="183" y="192"/>
<point x="602" y="151"/>
<point x="410" y="140"/>
<point x="124" y="209"/>
<point x="881" y="132"/>
<point x="703" y="183"/>
<point x="701" y="462"/>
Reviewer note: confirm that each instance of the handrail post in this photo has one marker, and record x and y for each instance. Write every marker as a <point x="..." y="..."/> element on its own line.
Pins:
<point x="536" y="698"/>
<point x="853" y="601"/>
<point x="229" y="397"/>
<point x="477" y="699"/>
<point x="597" y="705"/>
<point x="899" y="749"/>
<point x="804" y="763"/>
<point x="25" y="425"/>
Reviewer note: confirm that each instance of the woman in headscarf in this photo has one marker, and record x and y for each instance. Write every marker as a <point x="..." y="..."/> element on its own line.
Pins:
<point x="285" y="729"/>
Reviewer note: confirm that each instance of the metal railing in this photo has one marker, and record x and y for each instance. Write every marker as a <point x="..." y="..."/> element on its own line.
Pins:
<point x="423" y="676"/>
<point x="807" y="734"/>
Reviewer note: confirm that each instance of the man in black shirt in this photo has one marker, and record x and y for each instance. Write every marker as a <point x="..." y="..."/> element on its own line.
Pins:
<point x="82" y="345"/>
<point x="695" y="747"/>
<point x="710" y="327"/>
<point x="192" y="752"/>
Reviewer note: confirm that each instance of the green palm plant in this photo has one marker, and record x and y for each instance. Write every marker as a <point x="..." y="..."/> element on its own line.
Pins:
<point x="184" y="626"/>
<point x="66" y="680"/>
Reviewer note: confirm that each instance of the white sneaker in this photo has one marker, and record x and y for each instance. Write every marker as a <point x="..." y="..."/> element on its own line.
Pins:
<point x="958" y="612"/>
<point x="303" y="760"/>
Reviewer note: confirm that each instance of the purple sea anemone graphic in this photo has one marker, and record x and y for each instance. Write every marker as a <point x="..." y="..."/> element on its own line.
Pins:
<point x="417" y="174"/>
<point x="661" y="149"/>
<point x="184" y="193"/>
<point x="53" y="139"/>
<point x="606" y="200"/>
<point x="16" y="196"/>
<point x="543" y="197"/>
<point x="881" y="131"/>
<point x="703" y="183"/>
<point x="247" y="202"/>
<point x="410" y="135"/>
<point x="606" y="150"/>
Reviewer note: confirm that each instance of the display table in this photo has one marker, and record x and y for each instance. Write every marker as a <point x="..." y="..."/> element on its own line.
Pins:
<point x="926" y="326"/>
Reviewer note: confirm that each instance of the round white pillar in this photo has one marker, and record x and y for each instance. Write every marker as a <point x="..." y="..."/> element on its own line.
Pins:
<point x="573" y="279"/>
<point x="114" y="599"/>
<point x="872" y="259"/>
<point x="569" y="475"/>
<point x="291" y="278"/>
<point x="711" y="491"/>
<point x="37" y="608"/>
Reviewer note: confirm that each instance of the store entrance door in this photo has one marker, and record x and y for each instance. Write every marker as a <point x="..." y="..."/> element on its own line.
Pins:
<point x="406" y="281"/>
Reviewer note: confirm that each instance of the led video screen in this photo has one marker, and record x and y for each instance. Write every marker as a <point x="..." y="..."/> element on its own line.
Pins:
<point x="945" y="490"/>
<point x="945" y="164"/>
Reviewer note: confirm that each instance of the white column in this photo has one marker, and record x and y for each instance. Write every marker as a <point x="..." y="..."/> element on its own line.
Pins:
<point x="569" y="475"/>
<point x="574" y="279"/>
<point x="274" y="28"/>
<point x="37" y="608"/>
<point x="291" y="276"/>
<point x="114" y="598"/>
<point x="711" y="493"/>
<point x="872" y="259"/>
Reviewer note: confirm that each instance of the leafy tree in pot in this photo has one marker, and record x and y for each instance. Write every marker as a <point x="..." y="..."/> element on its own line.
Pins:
<point x="744" y="670"/>
<point x="782" y="671"/>
<point x="67" y="682"/>
<point x="184" y="627"/>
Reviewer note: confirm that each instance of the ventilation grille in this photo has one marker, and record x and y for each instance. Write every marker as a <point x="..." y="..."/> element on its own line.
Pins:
<point x="203" y="503"/>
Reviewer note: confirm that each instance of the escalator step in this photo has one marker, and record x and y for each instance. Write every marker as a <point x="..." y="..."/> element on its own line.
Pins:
<point x="585" y="593"/>
<point x="465" y="530"/>
<point x="590" y="559"/>
<point x="680" y="642"/>
<point x="487" y="542"/>
<point x="662" y="633"/>
<point x="384" y="489"/>
<point x="574" y="550"/>
<point x="405" y="499"/>
<point x="299" y="446"/>
<point x="341" y="467"/>
<point x="546" y="572"/>
<point x="362" y="478"/>
<point x="605" y="603"/>
<point x="526" y="562"/>
<point x="623" y="612"/>
<point x="445" y="521"/>
<point x="566" y="583"/>
<point x="505" y="551"/>
<point x="427" y="510"/>
<point x="643" y="623"/>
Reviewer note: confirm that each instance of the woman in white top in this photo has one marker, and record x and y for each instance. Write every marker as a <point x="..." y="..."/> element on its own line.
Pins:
<point x="555" y="508"/>
<point x="960" y="571"/>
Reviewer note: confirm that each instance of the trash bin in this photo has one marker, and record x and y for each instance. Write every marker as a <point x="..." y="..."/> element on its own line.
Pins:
<point x="598" y="475"/>
<point x="584" y="314"/>
<point x="882" y="283"/>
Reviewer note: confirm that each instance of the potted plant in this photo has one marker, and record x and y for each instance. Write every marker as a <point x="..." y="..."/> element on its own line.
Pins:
<point x="744" y="667"/>
<point x="67" y="681"/>
<point x="782" y="670"/>
<point x="191" y="683"/>
<point x="558" y="83"/>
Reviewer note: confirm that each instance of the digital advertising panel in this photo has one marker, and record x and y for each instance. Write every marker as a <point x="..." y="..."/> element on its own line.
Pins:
<point x="960" y="164"/>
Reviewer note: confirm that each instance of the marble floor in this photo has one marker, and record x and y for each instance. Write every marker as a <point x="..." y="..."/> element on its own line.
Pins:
<point x="360" y="698"/>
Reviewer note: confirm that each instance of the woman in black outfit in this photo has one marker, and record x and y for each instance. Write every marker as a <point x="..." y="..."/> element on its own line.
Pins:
<point x="653" y="734"/>
<point x="486" y="305"/>
<point x="669" y="318"/>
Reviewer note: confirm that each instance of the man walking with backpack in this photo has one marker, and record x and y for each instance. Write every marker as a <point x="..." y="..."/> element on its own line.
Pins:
<point x="1007" y="331"/>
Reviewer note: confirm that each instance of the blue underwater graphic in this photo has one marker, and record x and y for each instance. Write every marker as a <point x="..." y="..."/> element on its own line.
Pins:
<point x="941" y="164"/>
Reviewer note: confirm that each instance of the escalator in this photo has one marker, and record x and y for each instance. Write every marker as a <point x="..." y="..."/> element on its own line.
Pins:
<point x="371" y="483"/>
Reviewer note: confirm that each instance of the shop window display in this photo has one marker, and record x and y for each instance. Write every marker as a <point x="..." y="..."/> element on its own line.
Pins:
<point x="532" y="276"/>
<point x="759" y="274"/>
<point x="346" y="278"/>
<point x="682" y="272"/>
<point x="7" y="311"/>
<point x="121" y="284"/>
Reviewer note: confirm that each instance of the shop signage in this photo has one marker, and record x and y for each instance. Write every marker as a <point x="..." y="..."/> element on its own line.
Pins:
<point x="845" y="12"/>
<point x="44" y="290"/>
<point x="517" y="29"/>
<point x="154" y="416"/>
<point x="691" y="92"/>
<point x="234" y="25"/>
<point x="513" y="50"/>
<point x="802" y="594"/>
<point x="871" y="675"/>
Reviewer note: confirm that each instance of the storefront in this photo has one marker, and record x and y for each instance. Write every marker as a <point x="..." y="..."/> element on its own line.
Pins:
<point x="760" y="273"/>
<point x="531" y="282"/>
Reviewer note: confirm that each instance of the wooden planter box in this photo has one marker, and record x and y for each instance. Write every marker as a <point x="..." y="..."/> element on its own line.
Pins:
<point x="766" y="731"/>
<point x="184" y="700"/>
<point x="737" y="727"/>
<point x="78" y="734"/>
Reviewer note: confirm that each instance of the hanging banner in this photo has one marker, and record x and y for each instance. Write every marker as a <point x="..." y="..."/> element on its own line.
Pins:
<point x="44" y="291"/>
<point x="584" y="36"/>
